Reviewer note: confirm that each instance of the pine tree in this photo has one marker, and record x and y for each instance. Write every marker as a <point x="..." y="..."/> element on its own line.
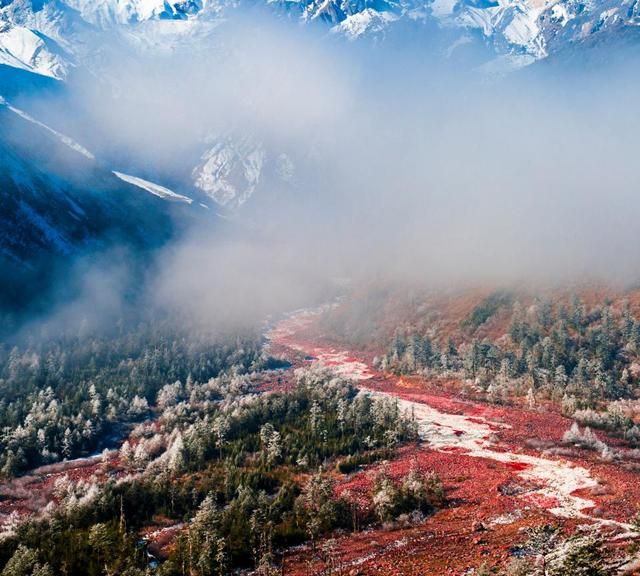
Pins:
<point x="25" y="562"/>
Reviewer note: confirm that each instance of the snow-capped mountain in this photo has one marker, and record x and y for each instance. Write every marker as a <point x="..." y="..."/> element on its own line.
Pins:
<point x="50" y="37"/>
<point x="23" y="48"/>
<point x="54" y="38"/>
<point x="105" y="13"/>
<point x="230" y="169"/>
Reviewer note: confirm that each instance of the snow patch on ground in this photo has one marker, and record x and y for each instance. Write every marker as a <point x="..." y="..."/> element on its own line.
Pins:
<point x="560" y="478"/>
<point x="153" y="188"/>
<point x="508" y="518"/>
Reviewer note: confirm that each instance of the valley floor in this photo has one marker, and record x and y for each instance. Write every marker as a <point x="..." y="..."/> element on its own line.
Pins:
<point x="497" y="463"/>
<point x="504" y="469"/>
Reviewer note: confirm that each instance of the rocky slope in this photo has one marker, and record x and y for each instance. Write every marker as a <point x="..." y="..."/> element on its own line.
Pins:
<point x="59" y="202"/>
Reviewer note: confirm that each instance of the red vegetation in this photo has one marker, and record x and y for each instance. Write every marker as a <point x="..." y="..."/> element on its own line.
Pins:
<point x="489" y="503"/>
<point x="480" y="523"/>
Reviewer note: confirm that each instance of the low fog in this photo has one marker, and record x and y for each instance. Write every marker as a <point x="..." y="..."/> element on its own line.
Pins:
<point x="412" y="163"/>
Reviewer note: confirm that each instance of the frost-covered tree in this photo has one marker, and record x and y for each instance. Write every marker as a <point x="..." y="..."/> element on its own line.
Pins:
<point x="25" y="562"/>
<point x="207" y="554"/>
<point x="531" y="399"/>
<point x="315" y="417"/>
<point x="384" y="496"/>
<point x="220" y="430"/>
<point x="317" y="505"/>
<point x="580" y="555"/>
